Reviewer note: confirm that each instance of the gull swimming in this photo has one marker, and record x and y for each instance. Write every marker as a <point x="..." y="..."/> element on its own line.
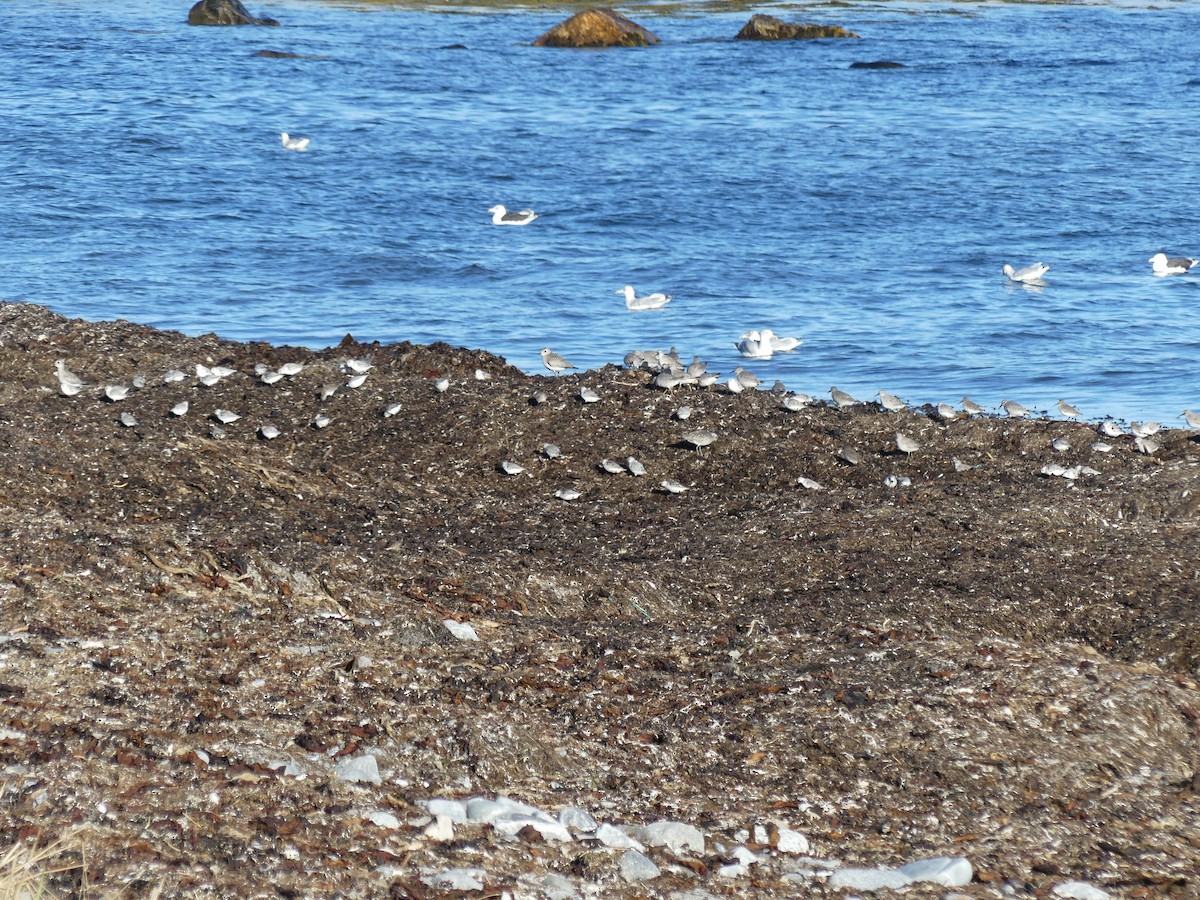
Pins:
<point x="1031" y="274"/>
<point x="291" y="143"/>
<point x="656" y="300"/>
<point x="501" y="216"/>
<point x="753" y="345"/>
<point x="1175" y="265"/>
<point x="554" y="362"/>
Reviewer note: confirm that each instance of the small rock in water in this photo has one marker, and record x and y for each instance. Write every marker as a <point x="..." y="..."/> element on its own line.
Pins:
<point x="461" y="630"/>
<point x="636" y="867"/>
<point x="359" y="770"/>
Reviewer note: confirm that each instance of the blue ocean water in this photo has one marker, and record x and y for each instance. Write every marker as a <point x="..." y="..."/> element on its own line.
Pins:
<point x="764" y="185"/>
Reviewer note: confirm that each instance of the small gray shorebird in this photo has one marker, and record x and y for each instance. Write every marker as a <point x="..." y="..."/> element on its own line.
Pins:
<point x="554" y="362"/>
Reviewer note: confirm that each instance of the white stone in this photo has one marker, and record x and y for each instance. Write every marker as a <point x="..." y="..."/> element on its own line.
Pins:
<point x="611" y="836"/>
<point x="948" y="871"/>
<point x="557" y="887"/>
<point x="461" y="630"/>
<point x="483" y="810"/>
<point x="762" y="835"/>
<point x="382" y="818"/>
<point x="675" y="836"/>
<point x="440" y="829"/>
<point x="1079" y="890"/>
<point x="359" y="769"/>
<point x="791" y="842"/>
<point x="868" y="879"/>
<point x="289" y="767"/>
<point x="745" y="856"/>
<point x="732" y="870"/>
<point x="454" y="810"/>
<point x="457" y="880"/>
<point x="636" y="867"/>
<point x="577" y="819"/>
<point x="510" y="823"/>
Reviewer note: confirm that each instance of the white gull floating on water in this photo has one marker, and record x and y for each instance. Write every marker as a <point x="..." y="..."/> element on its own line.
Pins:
<point x="650" y="301"/>
<point x="1175" y="265"/>
<point x="1031" y="274"/>
<point x="501" y="216"/>
<point x="756" y="344"/>
<point x="291" y="143"/>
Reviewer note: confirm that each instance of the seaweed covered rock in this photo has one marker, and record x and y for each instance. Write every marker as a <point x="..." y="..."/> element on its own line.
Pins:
<point x="224" y="12"/>
<point x="769" y="28"/>
<point x="597" y="28"/>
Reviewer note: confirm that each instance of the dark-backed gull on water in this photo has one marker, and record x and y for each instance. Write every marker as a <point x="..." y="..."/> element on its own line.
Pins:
<point x="1174" y="265"/>
<point x="501" y="216"/>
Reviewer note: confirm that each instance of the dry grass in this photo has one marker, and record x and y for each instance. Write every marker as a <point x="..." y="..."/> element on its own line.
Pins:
<point x="25" y="869"/>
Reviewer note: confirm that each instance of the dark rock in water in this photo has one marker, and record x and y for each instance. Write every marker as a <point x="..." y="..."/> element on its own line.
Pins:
<point x="769" y="28"/>
<point x="597" y="28"/>
<point x="223" y="12"/>
<point x="877" y="64"/>
<point x="277" y="54"/>
<point x="455" y="47"/>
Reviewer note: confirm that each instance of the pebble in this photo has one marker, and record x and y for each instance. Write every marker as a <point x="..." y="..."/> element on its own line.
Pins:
<point x="359" y="770"/>
<point x="675" y="836"/>
<point x="948" y="871"/>
<point x="791" y="842"/>
<point x="509" y="823"/>
<point x="557" y="887"/>
<point x="440" y="829"/>
<point x="454" y="810"/>
<point x="461" y="630"/>
<point x="1079" y="890"/>
<point x="612" y="836"/>
<point x="577" y="819"/>
<point x="382" y="819"/>
<point x="457" y="880"/>
<point x="634" y="866"/>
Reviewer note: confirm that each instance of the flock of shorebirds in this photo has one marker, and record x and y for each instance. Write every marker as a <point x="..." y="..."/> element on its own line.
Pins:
<point x="667" y="372"/>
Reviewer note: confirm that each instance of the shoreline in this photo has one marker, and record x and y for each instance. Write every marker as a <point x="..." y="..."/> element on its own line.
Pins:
<point x="989" y="663"/>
